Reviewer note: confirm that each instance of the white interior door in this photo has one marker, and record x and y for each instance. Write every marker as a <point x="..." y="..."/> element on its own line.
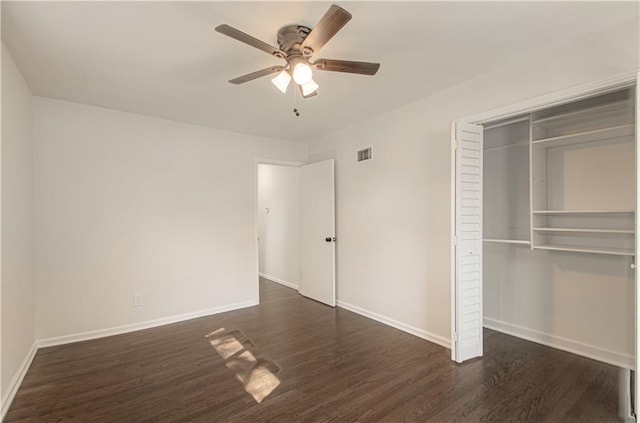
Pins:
<point x="467" y="298"/>
<point x="317" y="261"/>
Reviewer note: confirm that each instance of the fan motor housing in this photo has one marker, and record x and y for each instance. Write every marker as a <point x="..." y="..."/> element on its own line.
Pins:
<point x="290" y="38"/>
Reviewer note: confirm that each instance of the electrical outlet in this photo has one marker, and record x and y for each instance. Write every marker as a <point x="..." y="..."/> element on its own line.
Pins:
<point x="137" y="300"/>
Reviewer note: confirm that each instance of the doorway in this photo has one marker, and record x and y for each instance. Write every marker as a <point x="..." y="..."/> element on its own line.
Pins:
<point x="295" y="227"/>
<point x="278" y="219"/>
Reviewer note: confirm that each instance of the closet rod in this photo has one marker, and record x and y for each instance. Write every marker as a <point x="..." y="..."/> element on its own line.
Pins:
<point x="507" y="122"/>
<point x="517" y="144"/>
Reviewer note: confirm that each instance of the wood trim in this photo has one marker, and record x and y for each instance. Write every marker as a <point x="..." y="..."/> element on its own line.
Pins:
<point x="117" y="330"/>
<point x="431" y="337"/>
<point x="565" y="344"/>
<point x="15" y="383"/>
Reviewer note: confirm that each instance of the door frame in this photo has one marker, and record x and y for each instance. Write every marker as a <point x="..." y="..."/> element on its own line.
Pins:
<point x="256" y="224"/>
<point x="545" y="101"/>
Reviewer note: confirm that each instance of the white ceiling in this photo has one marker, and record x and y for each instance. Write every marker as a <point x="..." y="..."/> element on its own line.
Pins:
<point x="164" y="59"/>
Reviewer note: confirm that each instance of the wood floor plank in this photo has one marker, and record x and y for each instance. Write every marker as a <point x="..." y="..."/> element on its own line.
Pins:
<point x="330" y="365"/>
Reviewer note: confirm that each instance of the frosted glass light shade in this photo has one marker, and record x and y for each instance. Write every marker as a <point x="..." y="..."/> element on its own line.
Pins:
<point x="309" y="87"/>
<point x="302" y="73"/>
<point x="282" y="81"/>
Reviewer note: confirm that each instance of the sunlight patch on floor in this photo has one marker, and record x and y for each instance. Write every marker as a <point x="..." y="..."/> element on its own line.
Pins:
<point x="256" y="375"/>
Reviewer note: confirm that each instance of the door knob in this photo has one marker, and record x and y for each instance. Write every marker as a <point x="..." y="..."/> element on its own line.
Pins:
<point x="330" y="239"/>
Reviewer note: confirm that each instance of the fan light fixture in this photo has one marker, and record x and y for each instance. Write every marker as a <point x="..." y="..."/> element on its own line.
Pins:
<point x="309" y="88"/>
<point x="282" y="81"/>
<point x="297" y="45"/>
<point x="302" y="73"/>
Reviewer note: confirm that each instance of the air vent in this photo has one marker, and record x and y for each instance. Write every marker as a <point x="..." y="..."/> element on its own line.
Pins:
<point x="364" y="154"/>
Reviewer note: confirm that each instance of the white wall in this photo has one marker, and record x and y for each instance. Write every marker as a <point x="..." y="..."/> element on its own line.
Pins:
<point x="393" y="213"/>
<point x="279" y="192"/>
<point x="128" y="204"/>
<point x="18" y="314"/>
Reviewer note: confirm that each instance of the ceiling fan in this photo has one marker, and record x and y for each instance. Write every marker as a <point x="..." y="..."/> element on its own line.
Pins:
<point x="297" y="44"/>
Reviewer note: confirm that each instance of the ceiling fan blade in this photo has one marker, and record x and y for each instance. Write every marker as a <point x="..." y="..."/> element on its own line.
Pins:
<point x="362" y="68"/>
<point x="255" y="75"/>
<point x="313" y="94"/>
<point x="248" y="39"/>
<point x="328" y="26"/>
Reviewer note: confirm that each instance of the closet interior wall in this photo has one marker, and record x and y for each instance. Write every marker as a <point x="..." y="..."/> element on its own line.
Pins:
<point x="564" y="179"/>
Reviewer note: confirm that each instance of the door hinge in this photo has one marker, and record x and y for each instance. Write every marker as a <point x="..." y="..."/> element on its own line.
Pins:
<point x="454" y="144"/>
<point x="455" y="240"/>
<point x="454" y="336"/>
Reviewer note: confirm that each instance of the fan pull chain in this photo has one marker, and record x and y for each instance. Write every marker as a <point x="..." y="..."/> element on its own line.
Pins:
<point x="295" y="102"/>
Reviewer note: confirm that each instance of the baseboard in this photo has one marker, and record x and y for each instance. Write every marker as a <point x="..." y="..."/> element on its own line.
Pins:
<point x="431" y="337"/>
<point x="280" y="281"/>
<point x="590" y="351"/>
<point x="117" y="330"/>
<point x="15" y="383"/>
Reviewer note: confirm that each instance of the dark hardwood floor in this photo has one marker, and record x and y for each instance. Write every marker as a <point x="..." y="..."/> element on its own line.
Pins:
<point x="306" y="362"/>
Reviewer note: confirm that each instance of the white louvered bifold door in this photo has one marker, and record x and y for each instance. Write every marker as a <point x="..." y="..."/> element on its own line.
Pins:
<point x="468" y="242"/>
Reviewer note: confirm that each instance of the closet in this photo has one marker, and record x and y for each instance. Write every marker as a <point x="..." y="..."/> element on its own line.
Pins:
<point x="555" y="227"/>
<point x="583" y="176"/>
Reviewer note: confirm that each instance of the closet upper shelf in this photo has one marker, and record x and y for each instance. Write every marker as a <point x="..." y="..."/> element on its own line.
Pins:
<point x="613" y="107"/>
<point x="583" y="211"/>
<point x="594" y="135"/>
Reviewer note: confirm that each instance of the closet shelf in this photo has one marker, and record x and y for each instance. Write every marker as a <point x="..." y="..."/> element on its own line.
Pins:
<point x="585" y="230"/>
<point x="586" y="111"/>
<point x="587" y="136"/>
<point x="507" y="241"/>
<point x="610" y="251"/>
<point x="583" y="211"/>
